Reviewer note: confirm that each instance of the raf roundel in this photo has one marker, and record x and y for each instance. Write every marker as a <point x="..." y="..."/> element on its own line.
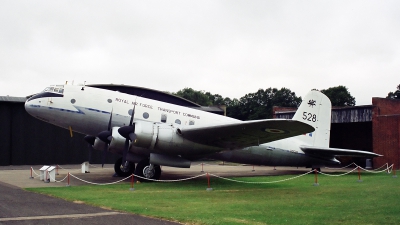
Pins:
<point x="274" y="131"/>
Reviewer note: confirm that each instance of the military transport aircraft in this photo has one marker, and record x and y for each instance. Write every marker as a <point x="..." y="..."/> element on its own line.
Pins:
<point x="150" y="130"/>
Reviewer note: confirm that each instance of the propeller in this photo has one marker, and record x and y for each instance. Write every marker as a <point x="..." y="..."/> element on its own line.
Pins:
<point x="128" y="132"/>
<point x="106" y="137"/>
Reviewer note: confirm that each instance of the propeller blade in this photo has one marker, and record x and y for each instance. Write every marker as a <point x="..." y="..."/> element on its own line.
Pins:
<point x="133" y="114"/>
<point x="104" y="155"/>
<point x="109" y="122"/>
<point x="126" y="132"/>
<point x="126" y="148"/>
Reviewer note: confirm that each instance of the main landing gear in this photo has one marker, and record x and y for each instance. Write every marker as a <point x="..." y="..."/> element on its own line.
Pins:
<point x="143" y="169"/>
<point x="124" y="170"/>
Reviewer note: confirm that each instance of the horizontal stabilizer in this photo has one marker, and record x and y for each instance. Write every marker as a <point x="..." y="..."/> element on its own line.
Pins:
<point x="326" y="152"/>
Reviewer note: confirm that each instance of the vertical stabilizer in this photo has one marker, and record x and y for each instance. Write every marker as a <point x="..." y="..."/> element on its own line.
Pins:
<point x="315" y="110"/>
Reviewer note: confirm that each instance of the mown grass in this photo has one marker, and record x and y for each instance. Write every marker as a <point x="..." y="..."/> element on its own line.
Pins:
<point x="337" y="200"/>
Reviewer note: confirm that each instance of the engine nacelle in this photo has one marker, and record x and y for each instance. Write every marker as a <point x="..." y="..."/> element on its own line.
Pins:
<point x="157" y="136"/>
<point x="117" y="142"/>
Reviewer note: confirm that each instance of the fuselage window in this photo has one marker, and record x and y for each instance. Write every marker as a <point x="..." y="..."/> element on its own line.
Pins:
<point x="163" y="118"/>
<point x="73" y="101"/>
<point x="109" y="100"/>
<point x="146" y="115"/>
<point x="191" y="122"/>
<point x="177" y="121"/>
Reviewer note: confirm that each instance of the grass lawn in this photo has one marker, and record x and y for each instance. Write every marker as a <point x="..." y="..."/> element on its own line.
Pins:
<point x="337" y="200"/>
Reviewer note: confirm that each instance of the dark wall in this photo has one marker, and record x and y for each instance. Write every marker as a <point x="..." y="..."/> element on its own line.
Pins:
<point x="357" y="136"/>
<point x="28" y="141"/>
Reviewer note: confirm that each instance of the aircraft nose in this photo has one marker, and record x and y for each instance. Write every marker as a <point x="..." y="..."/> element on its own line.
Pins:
<point x="31" y="106"/>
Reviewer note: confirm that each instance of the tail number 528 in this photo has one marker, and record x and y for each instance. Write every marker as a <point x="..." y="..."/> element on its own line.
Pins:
<point x="309" y="117"/>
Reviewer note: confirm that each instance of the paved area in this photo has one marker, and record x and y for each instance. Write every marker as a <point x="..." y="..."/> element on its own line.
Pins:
<point x="19" y="175"/>
<point x="18" y="206"/>
<point x="22" y="207"/>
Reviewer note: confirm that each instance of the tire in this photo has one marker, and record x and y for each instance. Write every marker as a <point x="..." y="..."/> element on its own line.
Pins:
<point x="119" y="169"/>
<point x="142" y="170"/>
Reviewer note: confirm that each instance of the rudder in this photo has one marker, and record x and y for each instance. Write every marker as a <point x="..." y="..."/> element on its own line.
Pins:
<point x="315" y="110"/>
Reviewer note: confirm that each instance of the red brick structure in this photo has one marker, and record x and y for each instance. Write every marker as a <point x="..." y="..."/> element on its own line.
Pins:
<point x="386" y="131"/>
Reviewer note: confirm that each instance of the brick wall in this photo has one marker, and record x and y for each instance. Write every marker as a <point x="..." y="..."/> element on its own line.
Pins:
<point x="386" y="131"/>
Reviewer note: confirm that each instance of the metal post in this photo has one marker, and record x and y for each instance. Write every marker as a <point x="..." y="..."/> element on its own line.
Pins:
<point x="68" y="180"/>
<point x="208" y="180"/>
<point x="132" y="178"/>
<point x="31" y="174"/>
<point x="359" y="175"/>
<point x="316" y="178"/>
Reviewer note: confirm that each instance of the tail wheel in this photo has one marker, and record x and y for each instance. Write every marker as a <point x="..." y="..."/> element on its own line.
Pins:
<point x="145" y="169"/>
<point x="124" y="170"/>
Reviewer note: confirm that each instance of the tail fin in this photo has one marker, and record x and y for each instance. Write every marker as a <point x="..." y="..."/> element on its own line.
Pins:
<point x="315" y="110"/>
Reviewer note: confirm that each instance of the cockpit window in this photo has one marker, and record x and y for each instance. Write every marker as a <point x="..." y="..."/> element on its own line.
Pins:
<point x="57" y="89"/>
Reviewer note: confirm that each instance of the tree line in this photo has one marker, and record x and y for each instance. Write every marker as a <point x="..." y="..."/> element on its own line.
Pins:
<point x="258" y="105"/>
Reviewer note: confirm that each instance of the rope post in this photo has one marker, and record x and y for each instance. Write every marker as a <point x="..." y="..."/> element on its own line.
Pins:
<point x="68" y="180"/>
<point x="253" y="169"/>
<point x="132" y="188"/>
<point x="208" y="180"/>
<point x="359" y="174"/>
<point x="316" y="178"/>
<point x="31" y="177"/>
<point x="202" y="168"/>
<point x="394" y="172"/>
<point x="274" y="168"/>
<point x="57" y="170"/>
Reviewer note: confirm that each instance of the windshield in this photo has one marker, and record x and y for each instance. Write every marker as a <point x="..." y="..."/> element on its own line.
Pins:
<point x="55" y="89"/>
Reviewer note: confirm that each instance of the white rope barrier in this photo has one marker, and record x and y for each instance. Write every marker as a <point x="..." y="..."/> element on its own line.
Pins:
<point x="266" y="182"/>
<point x="388" y="168"/>
<point x="99" y="183"/>
<point x="332" y="175"/>
<point x="169" y="181"/>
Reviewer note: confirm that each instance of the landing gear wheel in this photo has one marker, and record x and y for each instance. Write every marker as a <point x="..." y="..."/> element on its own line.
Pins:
<point x="144" y="169"/>
<point x="124" y="171"/>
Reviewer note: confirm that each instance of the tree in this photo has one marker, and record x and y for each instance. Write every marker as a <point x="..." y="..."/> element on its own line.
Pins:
<point x="259" y="105"/>
<point x="252" y="106"/>
<point x="198" y="97"/>
<point x="395" y="94"/>
<point x="339" y="96"/>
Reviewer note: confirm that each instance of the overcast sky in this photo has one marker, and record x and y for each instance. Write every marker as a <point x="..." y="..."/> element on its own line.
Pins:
<point x="229" y="48"/>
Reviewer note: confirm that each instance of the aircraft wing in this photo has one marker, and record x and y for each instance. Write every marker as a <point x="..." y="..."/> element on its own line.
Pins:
<point x="326" y="152"/>
<point x="245" y="133"/>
